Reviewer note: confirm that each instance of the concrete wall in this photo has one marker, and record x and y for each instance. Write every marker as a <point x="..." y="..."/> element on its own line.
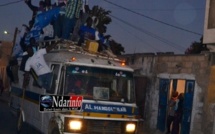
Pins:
<point x="5" y="52"/>
<point x="209" y="105"/>
<point x="192" y="67"/>
<point x="209" y="25"/>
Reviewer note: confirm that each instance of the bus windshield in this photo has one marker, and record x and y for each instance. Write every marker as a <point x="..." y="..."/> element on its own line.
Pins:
<point x="99" y="83"/>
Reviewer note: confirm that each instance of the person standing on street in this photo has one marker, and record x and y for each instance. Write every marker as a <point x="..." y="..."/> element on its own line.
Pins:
<point x="178" y="114"/>
<point x="171" y="111"/>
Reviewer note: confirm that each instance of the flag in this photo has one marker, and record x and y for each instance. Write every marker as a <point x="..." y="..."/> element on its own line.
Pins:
<point x="17" y="49"/>
<point x="41" y="21"/>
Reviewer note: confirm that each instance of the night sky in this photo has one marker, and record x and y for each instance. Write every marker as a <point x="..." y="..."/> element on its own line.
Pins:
<point x="141" y="26"/>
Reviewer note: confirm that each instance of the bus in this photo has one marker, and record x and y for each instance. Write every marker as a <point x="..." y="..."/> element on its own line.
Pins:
<point x="106" y="84"/>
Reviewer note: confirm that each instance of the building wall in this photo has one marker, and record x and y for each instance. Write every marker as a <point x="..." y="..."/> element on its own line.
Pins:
<point x="5" y="52"/>
<point x="209" y="108"/>
<point x="192" y="67"/>
<point x="209" y="25"/>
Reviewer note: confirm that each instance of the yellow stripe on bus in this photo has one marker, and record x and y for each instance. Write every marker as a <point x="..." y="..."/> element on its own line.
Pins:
<point x="31" y="100"/>
<point x="132" y="110"/>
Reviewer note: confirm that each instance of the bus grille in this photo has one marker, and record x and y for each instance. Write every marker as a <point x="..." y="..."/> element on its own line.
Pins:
<point x="103" y="127"/>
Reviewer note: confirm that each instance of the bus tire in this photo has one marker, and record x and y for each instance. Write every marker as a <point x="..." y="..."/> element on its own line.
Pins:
<point x="55" y="130"/>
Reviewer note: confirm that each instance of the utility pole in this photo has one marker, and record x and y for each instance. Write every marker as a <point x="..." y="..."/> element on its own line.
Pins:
<point x="14" y="40"/>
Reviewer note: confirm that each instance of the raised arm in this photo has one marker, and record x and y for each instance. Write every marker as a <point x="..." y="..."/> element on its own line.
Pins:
<point x="32" y="7"/>
<point x="53" y="45"/>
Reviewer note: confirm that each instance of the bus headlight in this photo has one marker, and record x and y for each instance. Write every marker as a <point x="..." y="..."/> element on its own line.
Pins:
<point x="130" y="127"/>
<point x="75" y="125"/>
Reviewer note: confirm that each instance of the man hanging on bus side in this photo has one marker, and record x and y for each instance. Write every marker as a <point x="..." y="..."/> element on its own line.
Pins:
<point x="37" y="62"/>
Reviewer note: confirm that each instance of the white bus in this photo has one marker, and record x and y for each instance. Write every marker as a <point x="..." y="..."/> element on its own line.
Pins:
<point x="106" y="85"/>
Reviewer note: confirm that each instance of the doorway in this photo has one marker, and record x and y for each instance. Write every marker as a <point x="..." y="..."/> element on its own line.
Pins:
<point x="166" y="88"/>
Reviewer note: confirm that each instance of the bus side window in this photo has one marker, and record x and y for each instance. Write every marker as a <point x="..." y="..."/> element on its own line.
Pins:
<point x="55" y="70"/>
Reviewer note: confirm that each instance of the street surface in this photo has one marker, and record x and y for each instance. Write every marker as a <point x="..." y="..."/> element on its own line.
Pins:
<point x="8" y="120"/>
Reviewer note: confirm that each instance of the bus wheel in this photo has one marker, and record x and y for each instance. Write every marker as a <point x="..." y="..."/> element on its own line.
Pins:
<point x="19" y="123"/>
<point x="55" y="130"/>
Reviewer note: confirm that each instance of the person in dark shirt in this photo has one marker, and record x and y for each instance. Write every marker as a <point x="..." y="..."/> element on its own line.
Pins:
<point x="48" y="4"/>
<point x="77" y="87"/>
<point x="178" y="114"/>
<point x="86" y="32"/>
<point x="35" y="9"/>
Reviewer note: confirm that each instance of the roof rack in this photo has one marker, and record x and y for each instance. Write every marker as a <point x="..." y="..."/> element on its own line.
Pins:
<point x="72" y="46"/>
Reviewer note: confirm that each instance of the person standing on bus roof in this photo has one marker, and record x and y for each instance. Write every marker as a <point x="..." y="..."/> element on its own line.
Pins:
<point x="58" y="23"/>
<point x="86" y="32"/>
<point x="84" y="14"/>
<point x="36" y="10"/>
<point x="71" y="15"/>
<point x="37" y="62"/>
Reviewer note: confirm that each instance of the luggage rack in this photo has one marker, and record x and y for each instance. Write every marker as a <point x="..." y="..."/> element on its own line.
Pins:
<point x="72" y="46"/>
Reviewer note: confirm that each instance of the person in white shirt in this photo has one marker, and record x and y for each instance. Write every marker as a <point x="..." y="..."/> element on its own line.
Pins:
<point x="37" y="62"/>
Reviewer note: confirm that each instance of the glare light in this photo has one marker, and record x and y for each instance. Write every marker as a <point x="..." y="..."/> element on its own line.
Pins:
<point x="123" y="63"/>
<point x="75" y="125"/>
<point x="73" y="59"/>
<point x="130" y="127"/>
<point x="5" y="32"/>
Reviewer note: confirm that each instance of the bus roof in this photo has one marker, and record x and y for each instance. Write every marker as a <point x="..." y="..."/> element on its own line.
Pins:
<point x="69" y="53"/>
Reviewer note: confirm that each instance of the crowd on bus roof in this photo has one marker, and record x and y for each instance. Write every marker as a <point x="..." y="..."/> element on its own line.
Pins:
<point x="66" y="19"/>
